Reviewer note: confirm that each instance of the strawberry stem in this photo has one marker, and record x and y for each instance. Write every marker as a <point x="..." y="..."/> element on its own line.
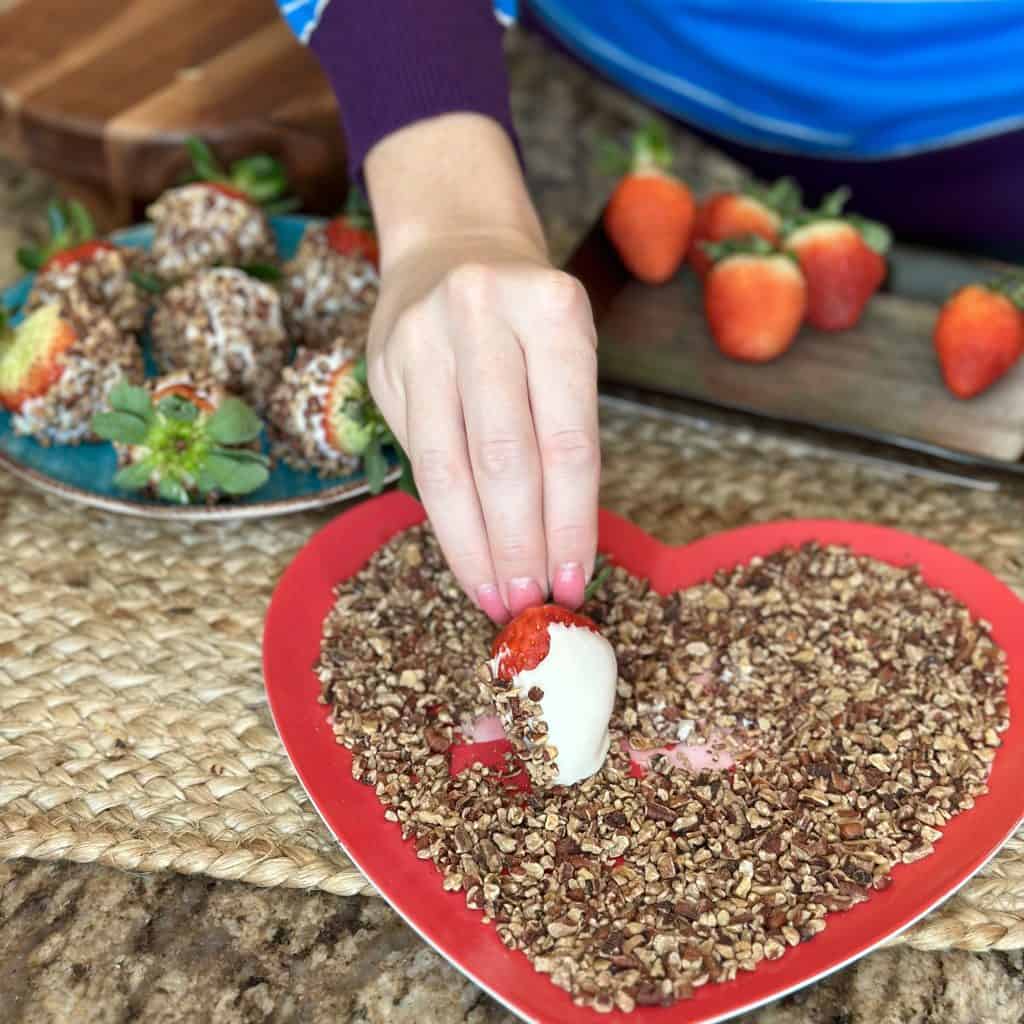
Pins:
<point x="651" y="148"/>
<point x="70" y="225"/>
<point x="782" y="197"/>
<point x="745" y="245"/>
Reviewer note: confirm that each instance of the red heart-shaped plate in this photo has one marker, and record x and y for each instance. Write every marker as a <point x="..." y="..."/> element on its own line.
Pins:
<point x="291" y="647"/>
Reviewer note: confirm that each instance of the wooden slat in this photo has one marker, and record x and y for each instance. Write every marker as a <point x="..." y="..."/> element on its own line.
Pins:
<point x="100" y="93"/>
<point x="264" y="92"/>
<point x="139" y="53"/>
<point x="34" y="36"/>
<point x="880" y="378"/>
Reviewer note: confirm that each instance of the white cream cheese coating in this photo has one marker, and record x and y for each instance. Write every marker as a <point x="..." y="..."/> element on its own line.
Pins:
<point x="578" y="678"/>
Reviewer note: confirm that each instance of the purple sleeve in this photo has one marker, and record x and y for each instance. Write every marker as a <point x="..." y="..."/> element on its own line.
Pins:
<point x="393" y="62"/>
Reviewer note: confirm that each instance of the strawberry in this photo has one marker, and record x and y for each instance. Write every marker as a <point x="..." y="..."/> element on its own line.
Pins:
<point x="650" y="214"/>
<point x="352" y="233"/>
<point x="72" y="239"/>
<point x="78" y="254"/>
<point x="259" y="179"/>
<point x="842" y="259"/>
<point x="979" y="335"/>
<point x="754" y="298"/>
<point x="32" y="355"/>
<point x="524" y="643"/>
<point x="757" y="210"/>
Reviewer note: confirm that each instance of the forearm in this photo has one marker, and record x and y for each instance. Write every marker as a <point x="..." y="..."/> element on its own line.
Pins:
<point x="395" y="63"/>
<point x="453" y="177"/>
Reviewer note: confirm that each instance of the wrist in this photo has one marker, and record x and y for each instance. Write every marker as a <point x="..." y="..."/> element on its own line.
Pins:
<point x="453" y="180"/>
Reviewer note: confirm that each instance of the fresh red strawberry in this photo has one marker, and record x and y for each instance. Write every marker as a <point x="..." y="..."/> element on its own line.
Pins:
<point x="32" y="356"/>
<point x="352" y="232"/>
<point x="757" y="210"/>
<point x="755" y="298"/>
<point x="979" y="335"/>
<point x="78" y="254"/>
<point x="843" y="262"/>
<point x="649" y="216"/>
<point x="524" y="643"/>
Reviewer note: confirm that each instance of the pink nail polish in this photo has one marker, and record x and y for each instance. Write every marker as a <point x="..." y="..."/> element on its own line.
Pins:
<point x="570" y="585"/>
<point x="522" y="594"/>
<point x="489" y="598"/>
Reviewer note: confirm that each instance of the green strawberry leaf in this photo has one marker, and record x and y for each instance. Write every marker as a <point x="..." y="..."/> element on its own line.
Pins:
<point x="203" y="161"/>
<point x="242" y="454"/>
<point x="832" y="205"/>
<point x="602" y="572"/>
<point x="126" y="397"/>
<point x="147" y="282"/>
<point x="289" y="204"/>
<point x="652" y="148"/>
<point x="170" y="489"/>
<point x="134" y="477"/>
<point x="176" y="408"/>
<point x="261" y="177"/>
<point x="357" y="209"/>
<point x="234" y="423"/>
<point x="782" y="196"/>
<point x="359" y="371"/>
<point x="82" y="225"/>
<point x="262" y="271"/>
<point x="876" y="236"/>
<point x="30" y="259"/>
<point x="234" y="476"/>
<point x="123" y="427"/>
<point x="749" y="245"/>
<point x="6" y="330"/>
<point x="375" y="465"/>
<point x="406" y="482"/>
<point x="612" y="158"/>
<point x="119" y="427"/>
<point x="56" y="218"/>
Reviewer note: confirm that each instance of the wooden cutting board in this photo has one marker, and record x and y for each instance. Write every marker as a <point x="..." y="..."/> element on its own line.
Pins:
<point x="880" y="380"/>
<point x="100" y="94"/>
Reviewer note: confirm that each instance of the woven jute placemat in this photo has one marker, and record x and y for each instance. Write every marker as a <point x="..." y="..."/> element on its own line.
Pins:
<point x="133" y="726"/>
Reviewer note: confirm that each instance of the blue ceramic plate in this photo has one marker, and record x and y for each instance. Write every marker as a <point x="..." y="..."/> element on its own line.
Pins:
<point x="83" y="473"/>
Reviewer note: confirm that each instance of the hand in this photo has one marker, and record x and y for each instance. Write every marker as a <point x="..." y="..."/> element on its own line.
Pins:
<point x="482" y="359"/>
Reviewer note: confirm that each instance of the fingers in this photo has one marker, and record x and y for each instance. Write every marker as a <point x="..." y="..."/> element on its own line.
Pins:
<point x="491" y="387"/>
<point x="436" y="445"/>
<point x="502" y="445"/>
<point x="560" y="347"/>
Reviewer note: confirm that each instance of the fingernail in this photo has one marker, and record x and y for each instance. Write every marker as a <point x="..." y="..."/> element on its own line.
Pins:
<point x="570" y="585"/>
<point x="489" y="598"/>
<point x="523" y="593"/>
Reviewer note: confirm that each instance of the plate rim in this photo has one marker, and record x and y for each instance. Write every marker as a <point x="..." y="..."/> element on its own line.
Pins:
<point x="228" y="511"/>
<point x="645" y="548"/>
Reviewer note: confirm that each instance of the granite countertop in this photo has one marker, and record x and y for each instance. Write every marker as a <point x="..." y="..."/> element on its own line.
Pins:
<point x="86" y="944"/>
